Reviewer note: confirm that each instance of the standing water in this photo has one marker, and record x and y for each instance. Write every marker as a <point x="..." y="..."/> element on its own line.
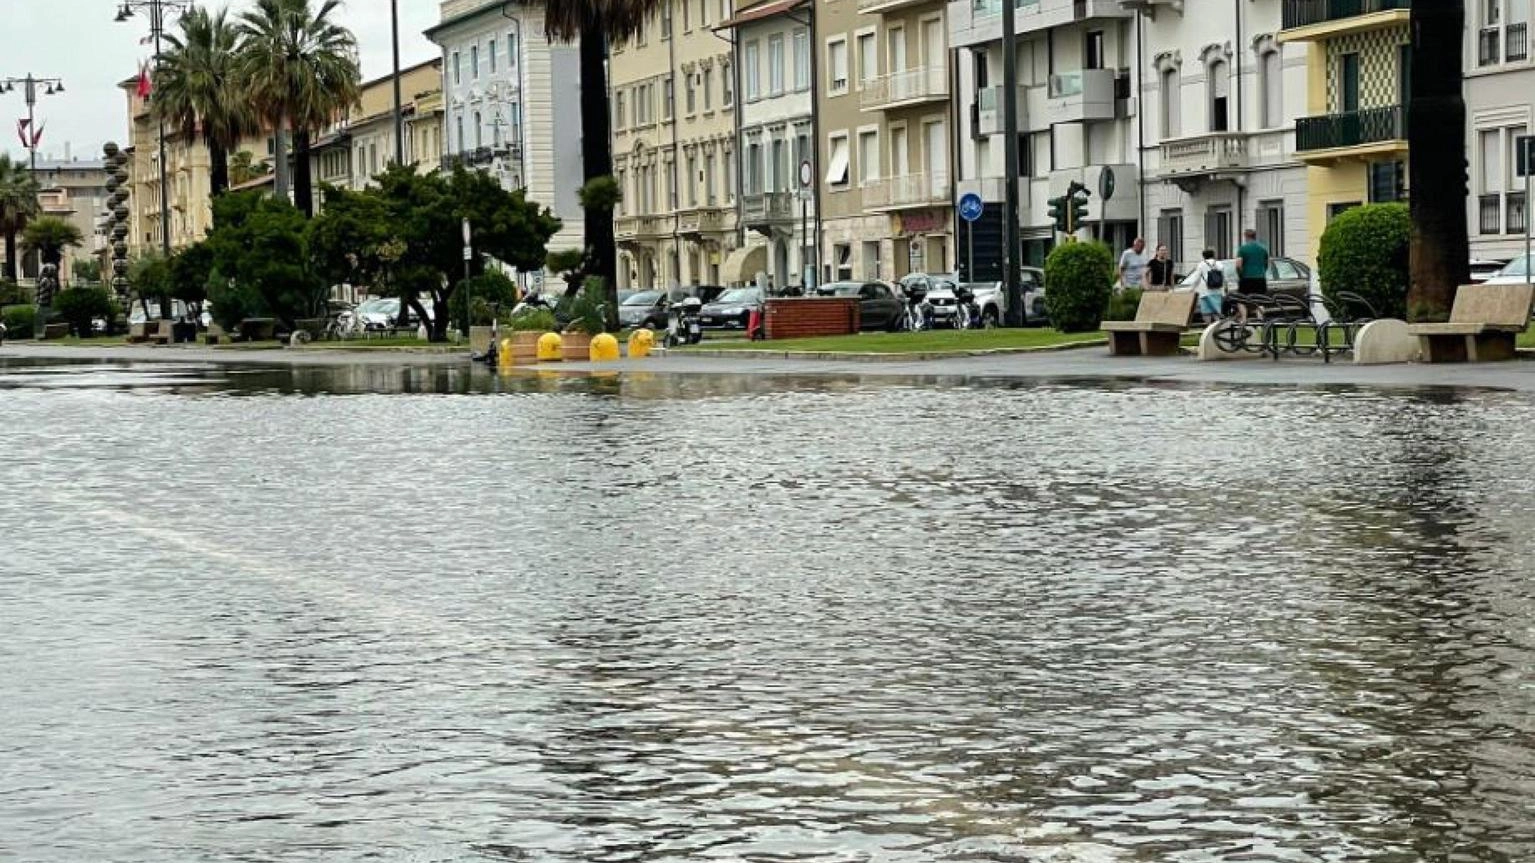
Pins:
<point x="376" y="614"/>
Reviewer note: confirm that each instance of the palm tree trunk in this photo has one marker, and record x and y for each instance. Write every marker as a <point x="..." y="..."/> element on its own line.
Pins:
<point x="281" y="183"/>
<point x="218" y="170"/>
<point x="303" y="178"/>
<point x="1436" y="122"/>
<point x="10" y="256"/>
<point x="597" y="159"/>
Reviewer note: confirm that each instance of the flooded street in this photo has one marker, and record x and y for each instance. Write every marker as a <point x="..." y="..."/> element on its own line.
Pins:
<point x="367" y="613"/>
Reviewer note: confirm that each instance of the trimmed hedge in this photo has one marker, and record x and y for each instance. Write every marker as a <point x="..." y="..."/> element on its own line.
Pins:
<point x="1366" y="250"/>
<point x="1079" y="279"/>
<point x="19" y="321"/>
<point x="78" y="306"/>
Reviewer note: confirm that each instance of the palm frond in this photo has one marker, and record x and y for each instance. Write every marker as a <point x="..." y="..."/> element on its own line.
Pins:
<point x="616" y="20"/>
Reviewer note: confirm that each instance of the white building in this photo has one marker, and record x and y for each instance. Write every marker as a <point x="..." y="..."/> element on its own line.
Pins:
<point x="1500" y="87"/>
<point x="1219" y="98"/>
<point x="777" y="135"/>
<point x="511" y="104"/>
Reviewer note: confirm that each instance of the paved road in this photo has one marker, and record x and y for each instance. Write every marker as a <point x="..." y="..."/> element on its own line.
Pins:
<point x="1084" y="363"/>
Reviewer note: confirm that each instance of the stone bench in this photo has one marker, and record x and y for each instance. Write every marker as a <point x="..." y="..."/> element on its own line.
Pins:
<point x="1158" y="326"/>
<point x="1484" y="324"/>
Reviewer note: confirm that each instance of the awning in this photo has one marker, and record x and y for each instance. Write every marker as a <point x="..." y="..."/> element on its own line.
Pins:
<point x="742" y="265"/>
<point x="760" y="11"/>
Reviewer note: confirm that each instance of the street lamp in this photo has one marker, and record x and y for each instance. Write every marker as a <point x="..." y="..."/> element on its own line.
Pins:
<point x="31" y="88"/>
<point x="157" y="9"/>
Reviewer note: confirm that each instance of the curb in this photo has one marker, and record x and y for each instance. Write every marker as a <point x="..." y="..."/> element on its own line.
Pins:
<point x="843" y="356"/>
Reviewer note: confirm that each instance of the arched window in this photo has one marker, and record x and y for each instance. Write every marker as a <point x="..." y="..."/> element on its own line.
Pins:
<point x="479" y="131"/>
<point x="1271" y="79"/>
<point x="1169" y="96"/>
<point x="1220" y="86"/>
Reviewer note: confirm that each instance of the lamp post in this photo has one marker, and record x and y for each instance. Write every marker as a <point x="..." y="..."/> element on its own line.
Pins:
<point x="31" y="88"/>
<point x="157" y="9"/>
<point x="399" y="113"/>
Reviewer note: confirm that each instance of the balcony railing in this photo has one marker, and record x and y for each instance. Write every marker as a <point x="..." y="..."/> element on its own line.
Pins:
<point x="704" y="220"/>
<point x="910" y="87"/>
<point x="1351" y="129"/>
<point x="909" y="190"/>
<point x="1488" y="42"/>
<point x="1491" y="208"/>
<point x="1205" y="153"/>
<point x="1517" y="215"/>
<point x="767" y="207"/>
<point x="1516" y="42"/>
<point x="989" y="118"/>
<point x="1304" y="13"/>
<point x="982" y="8"/>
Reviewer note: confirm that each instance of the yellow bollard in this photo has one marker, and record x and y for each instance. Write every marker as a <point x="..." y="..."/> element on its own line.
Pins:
<point x="603" y="349"/>
<point x="550" y="348"/>
<point x="504" y="357"/>
<point x="640" y="343"/>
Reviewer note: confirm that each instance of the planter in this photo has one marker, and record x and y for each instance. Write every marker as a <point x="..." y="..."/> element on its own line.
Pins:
<point x="576" y="347"/>
<point x="800" y="317"/>
<point x="479" y="340"/>
<point x="525" y="347"/>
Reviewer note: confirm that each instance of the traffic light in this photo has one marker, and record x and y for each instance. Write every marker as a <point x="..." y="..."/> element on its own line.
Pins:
<point x="1057" y="212"/>
<point x="1079" y="208"/>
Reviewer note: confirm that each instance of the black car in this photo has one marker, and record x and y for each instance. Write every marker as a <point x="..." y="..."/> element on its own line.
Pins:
<point x="731" y="310"/>
<point x="880" y="304"/>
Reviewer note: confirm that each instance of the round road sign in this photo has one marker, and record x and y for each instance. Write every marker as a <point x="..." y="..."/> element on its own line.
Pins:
<point x="970" y="206"/>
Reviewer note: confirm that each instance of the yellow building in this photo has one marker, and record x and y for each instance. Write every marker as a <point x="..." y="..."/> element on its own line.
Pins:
<point x="1354" y="142"/>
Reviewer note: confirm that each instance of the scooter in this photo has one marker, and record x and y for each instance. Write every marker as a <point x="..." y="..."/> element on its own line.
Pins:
<point x="919" y="312"/>
<point x="967" y="315"/>
<point x="683" y="324"/>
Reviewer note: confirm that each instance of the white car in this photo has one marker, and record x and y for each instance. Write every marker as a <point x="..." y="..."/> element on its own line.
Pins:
<point x="991" y="299"/>
<point x="1516" y="272"/>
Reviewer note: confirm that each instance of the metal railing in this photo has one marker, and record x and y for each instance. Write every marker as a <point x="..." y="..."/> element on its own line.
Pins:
<point x="1516" y="42"/>
<point x="1350" y="129"/>
<point x="921" y="83"/>
<point x="1488" y="41"/>
<point x="1491" y="209"/>
<point x="1517" y="215"/>
<point x="1304" y="13"/>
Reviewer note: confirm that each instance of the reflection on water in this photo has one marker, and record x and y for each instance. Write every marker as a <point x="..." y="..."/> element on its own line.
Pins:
<point x="685" y="618"/>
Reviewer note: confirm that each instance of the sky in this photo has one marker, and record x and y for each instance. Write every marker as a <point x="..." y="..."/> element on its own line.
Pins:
<point x="78" y="41"/>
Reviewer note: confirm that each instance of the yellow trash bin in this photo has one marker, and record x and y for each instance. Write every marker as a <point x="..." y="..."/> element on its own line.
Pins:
<point x="550" y="348"/>
<point x="640" y="343"/>
<point x="604" y="349"/>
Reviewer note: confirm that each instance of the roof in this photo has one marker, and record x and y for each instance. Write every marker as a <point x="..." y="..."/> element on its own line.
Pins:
<point x="760" y="11"/>
<point x="405" y="70"/>
<point x="264" y="180"/>
<point x="487" y="9"/>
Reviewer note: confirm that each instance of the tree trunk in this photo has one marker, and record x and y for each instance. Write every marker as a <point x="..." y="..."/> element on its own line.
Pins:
<point x="303" y="177"/>
<point x="281" y="183"/>
<point x="218" y="170"/>
<point x="10" y="256"/>
<point x="1436" y="124"/>
<point x="597" y="160"/>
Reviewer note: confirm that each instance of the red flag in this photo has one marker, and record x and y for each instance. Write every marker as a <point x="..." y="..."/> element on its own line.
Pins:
<point x="37" y="135"/>
<point x="145" y="88"/>
<point x="21" y="130"/>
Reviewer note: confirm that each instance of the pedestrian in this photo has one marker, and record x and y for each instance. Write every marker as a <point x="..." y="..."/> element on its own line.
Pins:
<point x="1252" y="265"/>
<point x="1159" y="270"/>
<point x="1132" y="264"/>
<point x="1210" y="286"/>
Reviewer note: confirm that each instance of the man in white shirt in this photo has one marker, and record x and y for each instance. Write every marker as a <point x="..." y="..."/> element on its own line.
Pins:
<point x="1132" y="264"/>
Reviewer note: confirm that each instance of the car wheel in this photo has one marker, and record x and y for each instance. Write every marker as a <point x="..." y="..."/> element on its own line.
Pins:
<point x="989" y="318"/>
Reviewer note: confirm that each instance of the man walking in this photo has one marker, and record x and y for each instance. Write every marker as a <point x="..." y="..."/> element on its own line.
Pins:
<point x="1132" y="264"/>
<point x="1252" y="265"/>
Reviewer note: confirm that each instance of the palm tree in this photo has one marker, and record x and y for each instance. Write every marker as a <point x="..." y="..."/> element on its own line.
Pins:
<point x="299" y="68"/>
<point x="18" y="205"/>
<point x="596" y="23"/>
<point x="1436" y="122"/>
<point x="49" y="236"/>
<point x="243" y="168"/>
<point x="197" y="87"/>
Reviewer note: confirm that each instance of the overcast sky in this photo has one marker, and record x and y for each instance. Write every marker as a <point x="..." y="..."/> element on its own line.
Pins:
<point x="77" y="40"/>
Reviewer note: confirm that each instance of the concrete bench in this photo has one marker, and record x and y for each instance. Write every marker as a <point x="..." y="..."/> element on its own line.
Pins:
<point x="1159" y="323"/>
<point x="160" y="332"/>
<point x="1484" y="324"/>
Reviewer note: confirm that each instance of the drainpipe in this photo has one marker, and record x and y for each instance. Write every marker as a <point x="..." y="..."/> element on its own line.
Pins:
<point x="815" y="145"/>
<point x="1241" y="125"/>
<point x="1140" y="119"/>
<point x="957" y="164"/>
<point x="671" y="69"/>
<point x="735" y="147"/>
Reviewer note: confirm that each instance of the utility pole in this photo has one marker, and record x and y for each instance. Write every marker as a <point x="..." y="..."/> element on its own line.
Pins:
<point x="1011" y="273"/>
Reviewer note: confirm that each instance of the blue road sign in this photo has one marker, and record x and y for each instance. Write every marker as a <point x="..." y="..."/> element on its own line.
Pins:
<point x="970" y="206"/>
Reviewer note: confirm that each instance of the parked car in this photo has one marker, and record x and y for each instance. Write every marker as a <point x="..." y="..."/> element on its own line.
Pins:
<point x="991" y="299"/>
<point x="881" y="306"/>
<point x="1286" y="276"/>
<point x="644" y="309"/>
<point x="1482" y="270"/>
<point x="1515" y="272"/>
<point x="705" y="293"/>
<point x="731" y="310"/>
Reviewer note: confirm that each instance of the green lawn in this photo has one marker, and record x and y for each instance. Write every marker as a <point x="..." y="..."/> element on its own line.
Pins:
<point x="1527" y="338"/>
<point x="934" y="341"/>
<point x="381" y="342"/>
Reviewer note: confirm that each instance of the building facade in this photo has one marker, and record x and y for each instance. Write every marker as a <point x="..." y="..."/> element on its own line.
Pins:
<point x="776" y="136"/>
<point x="361" y="144"/>
<point x="1500" y="87"/>
<point x="74" y="190"/>
<point x="674" y="148"/>
<point x="187" y="173"/>
<point x="1219" y="97"/>
<point x="510" y="102"/>
<point x="886" y="138"/>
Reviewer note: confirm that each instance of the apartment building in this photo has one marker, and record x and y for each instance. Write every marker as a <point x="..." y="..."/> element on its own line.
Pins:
<point x="1076" y="121"/>
<point x="1354" y="137"/>
<point x="361" y="144"/>
<point x="74" y="190"/>
<point x="1500" y="86"/>
<point x="886" y="138"/>
<point x="775" y="133"/>
<point x="510" y="102"/>
<point x="674" y="148"/>
<point x="187" y="173"/>
<point x="1219" y="98"/>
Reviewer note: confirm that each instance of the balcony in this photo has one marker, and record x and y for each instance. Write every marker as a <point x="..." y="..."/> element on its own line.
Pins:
<point x="634" y="228"/>
<point x="905" y="192"/>
<point x="993" y="191"/>
<point x="1373" y="131"/>
<point x="976" y="21"/>
<point x="877" y="7"/>
<point x="767" y="208"/>
<point x="1204" y="155"/>
<point x="1083" y="96"/>
<point x="705" y="220"/>
<point x="989" y="119"/>
<point x="900" y="89"/>
<point x="1313" y="20"/>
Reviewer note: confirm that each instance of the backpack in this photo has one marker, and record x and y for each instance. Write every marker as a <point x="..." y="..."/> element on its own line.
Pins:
<point x="1214" y="278"/>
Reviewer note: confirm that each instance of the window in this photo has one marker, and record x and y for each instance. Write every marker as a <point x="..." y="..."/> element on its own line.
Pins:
<point x="479" y="131"/>
<point x="666" y="19"/>
<point x="801" y="59"/>
<point x="703" y="11"/>
<point x="1271" y="226"/>
<point x="1169" y="96"/>
<point x="692" y="172"/>
<point x="1026" y="154"/>
<point x="982" y="71"/>
<point x="474" y="62"/>
<point x="458" y="123"/>
<point x="1515" y="182"/>
<point x="728" y="98"/>
<point x="1170" y="233"/>
<point x="671" y="185"/>
<point x="775" y="65"/>
<point x="1093" y="50"/>
<point x="868" y="157"/>
<point x="709" y="89"/>
<point x="511" y="50"/>
<point x="724" y="9"/>
<point x="1337" y="209"/>
<point x="730" y="177"/>
<point x="1348" y="83"/>
<point x="868" y="59"/>
<point x="642" y="104"/>
<point x="490" y="55"/>
<point x="1492" y="163"/>
<point x="1387" y="182"/>
<point x="709" y="179"/>
<point x="618" y="110"/>
<point x="752" y="83"/>
<point x="1286" y="270"/>
<point x="1220" y="83"/>
<point x="836" y="68"/>
<point x="1218" y="231"/>
<point x="836" y="175"/>
<point x="669" y="97"/>
<point x="1270" y="71"/>
<point x="753" y="178"/>
<point x="692" y="95"/>
<point x="458" y="73"/>
<point x="801" y="146"/>
<point x="687" y="16"/>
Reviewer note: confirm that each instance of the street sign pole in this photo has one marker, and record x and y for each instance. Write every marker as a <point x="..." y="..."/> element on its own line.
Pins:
<point x="970" y="208"/>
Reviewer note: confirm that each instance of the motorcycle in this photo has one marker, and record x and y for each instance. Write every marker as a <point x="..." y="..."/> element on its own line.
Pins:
<point x="919" y="312"/>
<point x="967" y="313"/>
<point x="683" y="323"/>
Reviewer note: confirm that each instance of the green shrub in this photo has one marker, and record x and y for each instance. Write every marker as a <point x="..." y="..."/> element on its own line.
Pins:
<point x="230" y="303"/>
<point x="1123" y="305"/>
<point x="1365" y="250"/>
<point x="532" y="321"/>
<point x="588" y="312"/>
<point x="488" y="290"/>
<point x="77" y="306"/>
<point x="1079" y="278"/>
<point x="19" y="321"/>
<point x="12" y="294"/>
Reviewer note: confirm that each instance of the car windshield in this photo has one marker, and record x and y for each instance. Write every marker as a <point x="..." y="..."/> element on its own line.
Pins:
<point x="643" y="298"/>
<point x="383" y="306"/>
<point x="841" y="289"/>
<point x="1516" y="267"/>
<point x="739" y="295"/>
